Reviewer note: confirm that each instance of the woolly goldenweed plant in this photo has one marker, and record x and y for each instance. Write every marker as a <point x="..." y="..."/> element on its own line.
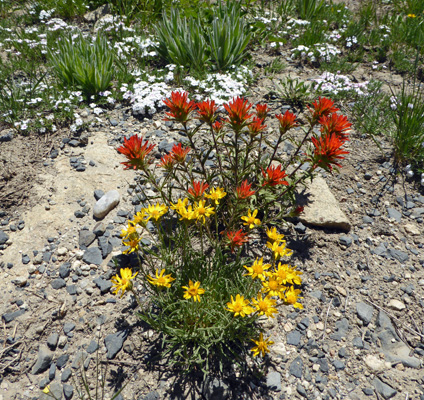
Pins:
<point x="209" y="284"/>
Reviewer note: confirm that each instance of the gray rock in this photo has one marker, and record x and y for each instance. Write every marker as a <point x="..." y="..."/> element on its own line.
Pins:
<point x="345" y="240"/>
<point x="68" y="327"/>
<point x="214" y="388"/>
<point x="301" y="390"/>
<point x="105" y="204"/>
<point x="300" y="228"/>
<point x="4" y="237"/>
<point x="293" y="338"/>
<point x="394" y="214"/>
<point x="98" y="194"/>
<point x="55" y="392"/>
<point x="93" y="256"/>
<point x="339" y="365"/>
<point x="358" y="343"/>
<point x="103" y="285"/>
<point x="72" y="289"/>
<point x="113" y="122"/>
<point x="85" y="238"/>
<point x="323" y="365"/>
<point x="66" y="374"/>
<point x="367" y="220"/>
<point x="380" y="250"/>
<point x="44" y="359"/>
<point x="8" y="317"/>
<point x="273" y="381"/>
<point x="295" y="368"/>
<point x="99" y="229"/>
<point x="92" y="347"/>
<point x="62" y="360"/>
<point x="383" y="389"/>
<point x="150" y="396"/>
<point x="52" y="340"/>
<point x="399" y="255"/>
<point x="365" y="312"/>
<point x="65" y="270"/>
<point x="104" y="245"/>
<point x="79" y="360"/>
<point x="114" y="343"/>
<point x="58" y="283"/>
<point x="321" y="207"/>
<point x="368" y="391"/>
<point x="52" y="371"/>
<point x="68" y="391"/>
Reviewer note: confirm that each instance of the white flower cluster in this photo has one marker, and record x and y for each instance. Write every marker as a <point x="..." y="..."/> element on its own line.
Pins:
<point x="320" y="51"/>
<point x="221" y="87"/>
<point x="45" y="15"/>
<point x="335" y="84"/>
<point x="77" y="124"/>
<point x="148" y="96"/>
<point x="350" y="41"/>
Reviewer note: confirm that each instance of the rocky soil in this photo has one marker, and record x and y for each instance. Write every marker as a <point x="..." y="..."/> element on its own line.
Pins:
<point x="359" y="244"/>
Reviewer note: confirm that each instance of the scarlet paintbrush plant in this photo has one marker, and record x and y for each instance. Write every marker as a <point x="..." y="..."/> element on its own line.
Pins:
<point x="219" y="191"/>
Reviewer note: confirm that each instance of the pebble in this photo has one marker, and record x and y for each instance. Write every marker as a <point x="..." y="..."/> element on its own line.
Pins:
<point x="62" y="360"/>
<point x="52" y="340"/>
<point x="296" y="367"/>
<point x="4" y="237"/>
<point x="68" y="391"/>
<point x="105" y="204"/>
<point x="365" y="312"/>
<point x="92" y="347"/>
<point x="375" y="364"/>
<point x="386" y="391"/>
<point x="394" y="214"/>
<point x="114" y="343"/>
<point x="66" y="374"/>
<point x="85" y="238"/>
<point x="273" y="381"/>
<point x="396" y="305"/>
<point x="103" y="285"/>
<point x="65" y="270"/>
<point x="293" y="338"/>
<point x="44" y="358"/>
<point x="93" y="255"/>
<point x="58" y="283"/>
<point x="68" y="327"/>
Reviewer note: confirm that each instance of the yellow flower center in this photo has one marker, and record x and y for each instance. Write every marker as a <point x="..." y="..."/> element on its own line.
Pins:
<point x="263" y="305"/>
<point x="273" y="285"/>
<point x="161" y="280"/>
<point x="192" y="291"/>
<point x="258" y="269"/>
<point x="238" y="307"/>
<point x="291" y="298"/>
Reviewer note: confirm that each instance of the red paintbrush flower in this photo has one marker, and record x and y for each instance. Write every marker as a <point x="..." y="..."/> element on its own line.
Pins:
<point x="287" y="121"/>
<point x="236" y="239"/>
<point x="274" y="175"/>
<point x="180" y="107"/>
<point x="135" y="152"/>
<point x="217" y="127"/>
<point x="298" y="210"/>
<point x="321" y="107"/>
<point x="256" y="126"/>
<point x="198" y="189"/>
<point x="238" y="113"/>
<point x="167" y="162"/>
<point x="206" y="111"/>
<point x="337" y="124"/>
<point x="262" y="111"/>
<point x="244" y="190"/>
<point x="327" y="151"/>
<point x="179" y="153"/>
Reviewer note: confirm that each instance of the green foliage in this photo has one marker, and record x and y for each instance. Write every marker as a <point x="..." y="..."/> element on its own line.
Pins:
<point x="193" y="43"/>
<point x="85" y="65"/>
<point x="309" y="9"/>
<point x="294" y="91"/>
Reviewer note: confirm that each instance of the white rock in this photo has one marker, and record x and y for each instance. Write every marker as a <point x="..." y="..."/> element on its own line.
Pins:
<point x="375" y="364"/>
<point x="61" y="251"/>
<point x="279" y="348"/>
<point x="412" y="229"/>
<point x="106" y="203"/>
<point x="396" y="305"/>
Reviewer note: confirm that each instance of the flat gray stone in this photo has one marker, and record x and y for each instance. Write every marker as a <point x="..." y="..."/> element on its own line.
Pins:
<point x="58" y="283"/>
<point x="293" y="338"/>
<point x="394" y="214"/>
<point x="93" y="256"/>
<point x="44" y="359"/>
<point x="68" y="391"/>
<point x="365" y="312"/>
<point x="52" y="340"/>
<point x="4" y="237"/>
<point x="105" y="204"/>
<point x="273" y="381"/>
<point x="383" y="389"/>
<point x="321" y="207"/>
<point x="296" y="366"/>
<point x="86" y="237"/>
<point x="92" y="347"/>
<point x="55" y="392"/>
<point x="399" y="255"/>
<point x="114" y="343"/>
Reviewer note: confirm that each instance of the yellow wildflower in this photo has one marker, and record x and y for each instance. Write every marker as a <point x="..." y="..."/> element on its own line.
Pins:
<point x="161" y="280"/>
<point x="265" y="305"/>
<point x="279" y="249"/>
<point x="412" y="16"/>
<point x="261" y="346"/>
<point x="141" y="217"/>
<point x="156" y="211"/>
<point x="123" y="283"/>
<point x="273" y="286"/>
<point x="251" y="219"/>
<point x="130" y="231"/>
<point x="201" y="211"/>
<point x="291" y="295"/>
<point x="288" y="275"/>
<point x="193" y="291"/>
<point x="180" y="204"/>
<point x="133" y="244"/>
<point x="216" y="194"/>
<point x="239" y="306"/>
<point x="257" y="270"/>
<point x="274" y="236"/>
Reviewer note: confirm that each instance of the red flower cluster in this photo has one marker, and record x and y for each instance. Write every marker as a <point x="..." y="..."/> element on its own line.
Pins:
<point x="136" y="152"/>
<point x="256" y="126"/>
<point x="217" y="127"/>
<point x="262" y="111"/>
<point x="206" y="111"/>
<point x="167" y="162"/>
<point x="179" y="153"/>
<point x="287" y="121"/>
<point x="244" y="190"/>
<point x="327" y="151"/>
<point x="337" y="124"/>
<point x="238" y="113"/>
<point x="274" y="175"/>
<point x="236" y="239"/>
<point x="198" y="189"/>
<point x="322" y="107"/>
<point x="180" y="107"/>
